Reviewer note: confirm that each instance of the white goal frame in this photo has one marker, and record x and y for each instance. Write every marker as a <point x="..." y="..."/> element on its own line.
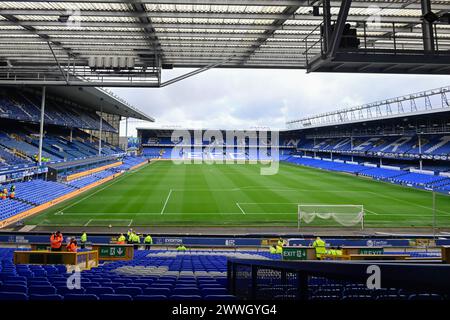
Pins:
<point x="300" y="205"/>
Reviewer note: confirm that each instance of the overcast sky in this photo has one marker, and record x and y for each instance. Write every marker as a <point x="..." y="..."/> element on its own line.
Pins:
<point x="245" y="98"/>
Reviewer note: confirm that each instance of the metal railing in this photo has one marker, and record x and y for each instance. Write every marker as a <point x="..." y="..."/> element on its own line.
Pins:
<point x="268" y="279"/>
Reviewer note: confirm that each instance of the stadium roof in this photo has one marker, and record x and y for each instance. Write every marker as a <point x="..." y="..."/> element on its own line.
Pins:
<point x="146" y="34"/>
<point x="100" y="100"/>
<point x="425" y="103"/>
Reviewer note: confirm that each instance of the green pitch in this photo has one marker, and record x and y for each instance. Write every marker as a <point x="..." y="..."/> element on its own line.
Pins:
<point x="163" y="193"/>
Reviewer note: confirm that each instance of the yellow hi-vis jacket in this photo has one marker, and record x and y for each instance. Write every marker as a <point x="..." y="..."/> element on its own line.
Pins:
<point x="84" y="237"/>
<point x="148" y="240"/>
<point x="279" y="250"/>
<point x="272" y="250"/>
<point x="320" y="247"/>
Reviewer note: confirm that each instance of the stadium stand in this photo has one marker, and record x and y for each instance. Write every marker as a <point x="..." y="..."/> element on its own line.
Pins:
<point x="435" y="182"/>
<point x="32" y="193"/>
<point x="25" y="106"/>
<point x="157" y="274"/>
<point x="167" y="274"/>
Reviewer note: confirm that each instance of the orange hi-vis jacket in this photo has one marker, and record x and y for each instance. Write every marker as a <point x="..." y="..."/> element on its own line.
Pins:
<point x="72" y="247"/>
<point x="56" y="241"/>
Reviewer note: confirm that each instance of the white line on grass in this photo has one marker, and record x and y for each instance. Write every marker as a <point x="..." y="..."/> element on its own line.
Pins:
<point x="87" y="223"/>
<point x="262" y="203"/>
<point x="242" y="210"/>
<point x="370" y="211"/>
<point x="167" y="200"/>
<point x="181" y="213"/>
<point x="410" y="203"/>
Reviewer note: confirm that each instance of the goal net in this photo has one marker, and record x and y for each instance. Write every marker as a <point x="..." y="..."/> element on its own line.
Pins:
<point x="346" y="215"/>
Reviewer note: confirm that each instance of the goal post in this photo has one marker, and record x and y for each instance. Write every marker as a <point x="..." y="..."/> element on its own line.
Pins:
<point x="346" y="215"/>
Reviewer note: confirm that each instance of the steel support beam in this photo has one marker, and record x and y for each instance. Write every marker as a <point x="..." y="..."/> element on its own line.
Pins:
<point x="336" y="36"/>
<point x="326" y="24"/>
<point x="427" y="27"/>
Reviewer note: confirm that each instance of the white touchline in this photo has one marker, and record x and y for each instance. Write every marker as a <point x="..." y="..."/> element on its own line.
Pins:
<point x="87" y="223"/>
<point x="240" y="208"/>
<point x="167" y="200"/>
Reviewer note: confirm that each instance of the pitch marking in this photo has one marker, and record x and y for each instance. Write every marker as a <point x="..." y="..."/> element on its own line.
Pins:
<point x="167" y="200"/>
<point x="242" y="210"/>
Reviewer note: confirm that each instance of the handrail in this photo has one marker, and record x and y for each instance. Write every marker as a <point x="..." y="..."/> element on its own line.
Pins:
<point x="411" y="275"/>
<point x="305" y="39"/>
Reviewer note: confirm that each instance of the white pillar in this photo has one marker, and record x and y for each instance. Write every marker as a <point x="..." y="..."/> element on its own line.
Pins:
<point x="420" y="152"/>
<point x="71" y="134"/>
<point x="126" y="134"/>
<point x="41" y="128"/>
<point x="351" y="146"/>
<point x="100" y="134"/>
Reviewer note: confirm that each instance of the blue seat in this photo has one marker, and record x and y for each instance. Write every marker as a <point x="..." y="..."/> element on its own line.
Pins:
<point x="132" y="291"/>
<point x="113" y="284"/>
<point x="157" y="291"/>
<point x="185" y="297"/>
<point x="14" y="288"/>
<point x="46" y="297"/>
<point x="90" y="285"/>
<point x="41" y="290"/>
<point x="77" y="297"/>
<point x="99" y="290"/>
<point x="64" y="290"/>
<point x="115" y="297"/>
<point x="186" y="291"/>
<point x="14" y="283"/>
<point x="13" y="296"/>
<point x="220" y="297"/>
<point x="214" y="291"/>
<point x="143" y="297"/>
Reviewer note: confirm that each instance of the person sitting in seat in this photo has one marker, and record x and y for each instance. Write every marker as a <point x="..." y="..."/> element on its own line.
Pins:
<point x="12" y="195"/>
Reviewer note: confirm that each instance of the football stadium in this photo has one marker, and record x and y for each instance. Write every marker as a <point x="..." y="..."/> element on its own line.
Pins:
<point x="100" y="203"/>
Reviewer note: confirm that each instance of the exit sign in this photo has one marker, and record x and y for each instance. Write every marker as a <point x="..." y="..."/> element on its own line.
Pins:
<point x="111" y="252"/>
<point x="294" y="253"/>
